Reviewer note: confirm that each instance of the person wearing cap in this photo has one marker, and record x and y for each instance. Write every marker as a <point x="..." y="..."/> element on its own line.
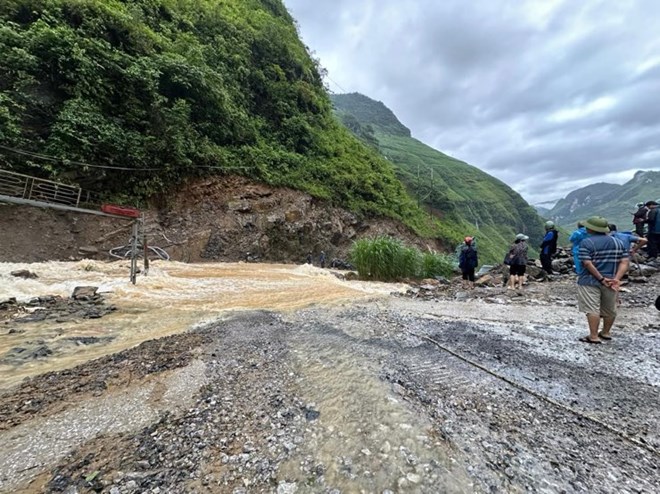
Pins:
<point x="605" y="262"/>
<point x="639" y="218"/>
<point x="468" y="261"/>
<point x="576" y="237"/>
<point x="549" y="246"/>
<point x="517" y="262"/>
<point x="654" y="229"/>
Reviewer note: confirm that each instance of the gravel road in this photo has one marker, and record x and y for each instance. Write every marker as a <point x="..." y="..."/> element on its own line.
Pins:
<point x="483" y="393"/>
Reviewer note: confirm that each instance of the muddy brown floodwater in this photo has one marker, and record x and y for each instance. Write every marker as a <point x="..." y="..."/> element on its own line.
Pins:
<point x="174" y="297"/>
<point x="270" y="378"/>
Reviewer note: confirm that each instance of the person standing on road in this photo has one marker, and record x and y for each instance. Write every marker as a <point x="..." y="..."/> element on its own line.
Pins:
<point x="468" y="261"/>
<point x="309" y="257"/>
<point x="517" y="262"/>
<point x="549" y="246"/>
<point x="576" y="237"/>
<point x="322" y="259"/>
<point x="639" y="218"/>
<point x="654" y="229"/>
<point x="605" y="262"/>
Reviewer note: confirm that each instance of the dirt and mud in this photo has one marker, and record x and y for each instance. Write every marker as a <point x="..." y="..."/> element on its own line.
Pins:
<point x="246" y="378"/>
<point x="210" y="219"/>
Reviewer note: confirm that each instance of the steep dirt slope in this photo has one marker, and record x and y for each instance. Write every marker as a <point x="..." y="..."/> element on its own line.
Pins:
<point x="219" y="219"/>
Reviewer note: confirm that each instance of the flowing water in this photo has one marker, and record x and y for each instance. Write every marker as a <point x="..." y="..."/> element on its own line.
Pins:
<point x="174" y="297"/>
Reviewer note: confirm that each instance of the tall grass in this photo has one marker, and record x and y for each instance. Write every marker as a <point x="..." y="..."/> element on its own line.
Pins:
<point x="387" y="259"/>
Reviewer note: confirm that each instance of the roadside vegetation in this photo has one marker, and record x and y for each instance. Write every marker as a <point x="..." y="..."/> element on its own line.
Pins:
<point x="152" y="93"/>
<point x="388" y="259"/>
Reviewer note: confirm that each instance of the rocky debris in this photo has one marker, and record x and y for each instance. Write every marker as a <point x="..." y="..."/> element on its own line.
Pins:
<point x="24" y="273"/>
<point x="85" y="293"/>
<point x="253" y="428"/>
<point x="8" y="304"/>
<point x="46" y="392"/>
<point x="84" y="303"/>
<point x="341" y="264"/>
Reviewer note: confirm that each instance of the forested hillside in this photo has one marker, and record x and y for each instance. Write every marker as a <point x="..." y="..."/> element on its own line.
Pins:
<point x="467" y="200"/>
<point x="612" y="201"/>
<point x="151" y="92"/>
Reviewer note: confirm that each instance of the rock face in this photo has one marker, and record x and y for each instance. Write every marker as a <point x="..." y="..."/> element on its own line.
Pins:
<point x="211" y="219"/>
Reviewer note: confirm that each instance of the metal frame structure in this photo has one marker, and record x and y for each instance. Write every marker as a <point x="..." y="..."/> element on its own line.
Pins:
<point x="16" y="188"/>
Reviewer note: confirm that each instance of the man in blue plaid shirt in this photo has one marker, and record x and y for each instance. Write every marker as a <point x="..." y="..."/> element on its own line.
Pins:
<point x="605" y="262"/>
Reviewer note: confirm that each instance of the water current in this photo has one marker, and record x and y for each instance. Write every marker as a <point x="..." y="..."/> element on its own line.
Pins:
<point x="172" y="298"/>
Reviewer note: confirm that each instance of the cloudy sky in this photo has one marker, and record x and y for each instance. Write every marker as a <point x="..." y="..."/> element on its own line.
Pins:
<point x="547" y="95"/>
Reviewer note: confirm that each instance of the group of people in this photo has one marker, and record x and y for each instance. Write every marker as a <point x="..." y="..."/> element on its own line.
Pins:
<point x="601" y="256"/>
<point x="322" y="259"/>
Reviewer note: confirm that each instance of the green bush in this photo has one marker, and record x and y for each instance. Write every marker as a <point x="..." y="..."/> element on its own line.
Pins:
<point x="387" y="259"/>
<point x="434" y="264"/>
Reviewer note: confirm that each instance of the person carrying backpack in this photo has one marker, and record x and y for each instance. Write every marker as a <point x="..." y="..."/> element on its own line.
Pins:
<point x="549" y="246"/>
<point x="468" y="262"/>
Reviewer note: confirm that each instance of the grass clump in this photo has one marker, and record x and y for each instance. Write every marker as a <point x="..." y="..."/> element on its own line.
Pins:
<point x="388" y="259"/>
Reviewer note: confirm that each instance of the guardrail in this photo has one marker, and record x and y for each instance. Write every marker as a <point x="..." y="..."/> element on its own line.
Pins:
<point x="37" y="189"/>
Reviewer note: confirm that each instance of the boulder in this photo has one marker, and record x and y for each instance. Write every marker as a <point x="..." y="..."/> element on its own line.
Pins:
<point x="24" y="273"/>
<point x="84" y="293"/>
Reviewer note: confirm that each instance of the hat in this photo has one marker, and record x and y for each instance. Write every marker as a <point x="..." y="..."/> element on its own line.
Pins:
<point x="651" y="203"/>
<point x="522" y="236"/>
<point x="597" y="224"/>
<point x="640" y="204"/>
<point x="549" y="224"/>
<point x="468" y="240"/>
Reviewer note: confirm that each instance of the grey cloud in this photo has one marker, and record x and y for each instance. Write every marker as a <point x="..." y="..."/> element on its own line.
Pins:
<point x="485" y="80"/>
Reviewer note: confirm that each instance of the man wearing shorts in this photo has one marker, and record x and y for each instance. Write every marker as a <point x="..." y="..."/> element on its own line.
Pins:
<point x="605" y="261"/>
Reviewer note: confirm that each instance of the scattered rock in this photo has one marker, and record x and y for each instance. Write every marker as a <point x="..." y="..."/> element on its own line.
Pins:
<point x="24" y="273"/>
<point x="84" y="293"/>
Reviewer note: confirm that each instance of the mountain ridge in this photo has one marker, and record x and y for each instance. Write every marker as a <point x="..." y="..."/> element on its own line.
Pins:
<point x="467" y="199"/>
<point x="616" y="202"/>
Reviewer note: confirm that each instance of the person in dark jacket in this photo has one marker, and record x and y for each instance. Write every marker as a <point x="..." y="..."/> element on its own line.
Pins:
<point x="639" y="218"/>
<point x="468" y="262"/>
<point x="653" y="220"/>
<point x="549" y="246"/>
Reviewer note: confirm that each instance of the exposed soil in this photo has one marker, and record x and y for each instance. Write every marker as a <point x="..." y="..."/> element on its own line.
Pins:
<point x="458" y="391"/>
<point x="220" y="218"/>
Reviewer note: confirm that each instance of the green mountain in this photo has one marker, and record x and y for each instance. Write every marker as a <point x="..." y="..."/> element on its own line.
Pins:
<point x="614" y="202"/>
<point x="467" y="200"/>
<point x="149" y="93"/>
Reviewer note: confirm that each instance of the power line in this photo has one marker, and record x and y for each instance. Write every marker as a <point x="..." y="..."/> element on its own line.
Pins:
<point x="331" y="80"/>
<point x="111" y="167"/>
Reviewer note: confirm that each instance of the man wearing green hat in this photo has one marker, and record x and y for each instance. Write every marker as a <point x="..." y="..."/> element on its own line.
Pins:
<point x="604" y="261"/>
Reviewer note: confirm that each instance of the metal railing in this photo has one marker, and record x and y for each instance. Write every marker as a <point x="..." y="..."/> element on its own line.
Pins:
<point x="37" y="189"/>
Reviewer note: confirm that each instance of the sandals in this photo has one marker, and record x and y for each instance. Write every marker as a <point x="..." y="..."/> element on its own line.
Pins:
<point x="603" y="337"/>
<point x="586" y="339"/>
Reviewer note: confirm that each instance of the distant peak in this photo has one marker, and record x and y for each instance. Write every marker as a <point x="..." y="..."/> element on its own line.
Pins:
<point x="370" y="112"/>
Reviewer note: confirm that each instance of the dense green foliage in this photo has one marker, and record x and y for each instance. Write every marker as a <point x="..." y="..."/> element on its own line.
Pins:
<point x="614" y="202"/>
<point x="172" y="89"/>
<point x="387" y="259"/>
<point x="465" y="199"/>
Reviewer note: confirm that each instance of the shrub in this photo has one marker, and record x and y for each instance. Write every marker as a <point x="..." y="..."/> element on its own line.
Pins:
<point x="387" y="259"/>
